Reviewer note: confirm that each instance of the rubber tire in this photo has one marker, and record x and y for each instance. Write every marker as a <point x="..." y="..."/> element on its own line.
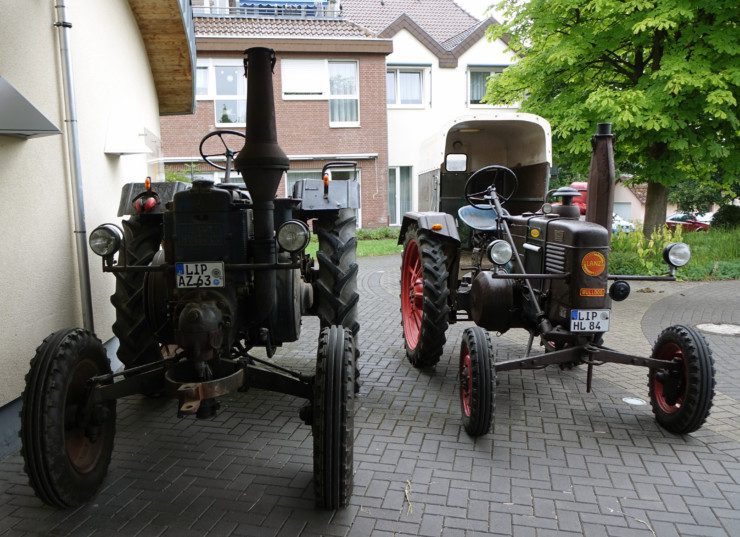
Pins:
<point x="137" y="344"/>
<point x="51" y="474"/>
<point x="699" y="389"/>
<point x="336" y="286"/>
<point x="435" y="309"/>
<point x="483" y="391"/>
<point x="333" y="418"/>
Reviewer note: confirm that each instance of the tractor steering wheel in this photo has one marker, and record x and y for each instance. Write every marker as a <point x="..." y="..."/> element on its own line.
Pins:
<point x="227" y="152"/>
<point x="482" y="200"/>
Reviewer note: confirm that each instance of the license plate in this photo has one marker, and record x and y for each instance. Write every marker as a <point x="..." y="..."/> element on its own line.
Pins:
<point x="589" y="320"/>
<point x="195" y="275"/>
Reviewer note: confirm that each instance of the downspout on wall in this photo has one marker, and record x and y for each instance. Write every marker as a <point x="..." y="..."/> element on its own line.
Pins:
<point x="73" y="155"/>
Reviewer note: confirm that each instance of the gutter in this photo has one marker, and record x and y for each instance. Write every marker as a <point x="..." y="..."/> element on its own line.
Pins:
<point x="73" y="155"/>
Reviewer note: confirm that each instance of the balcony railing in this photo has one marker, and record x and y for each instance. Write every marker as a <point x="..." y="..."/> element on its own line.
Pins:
<point x="319" y="10"/>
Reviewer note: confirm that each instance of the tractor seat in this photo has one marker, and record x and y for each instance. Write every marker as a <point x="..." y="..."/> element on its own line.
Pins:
<point x="479" y="217"/>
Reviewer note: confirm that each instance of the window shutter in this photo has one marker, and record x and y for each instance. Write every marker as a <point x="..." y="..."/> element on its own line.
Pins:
<point x="305" y="79"/>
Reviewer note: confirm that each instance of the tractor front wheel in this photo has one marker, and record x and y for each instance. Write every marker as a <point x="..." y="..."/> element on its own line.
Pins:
<point x="477" y="381"/>
<point x="681" y="398"/>
<point x="66" y="446"/>
<point x="333" y="418"/>
<point x="424" y="295"/>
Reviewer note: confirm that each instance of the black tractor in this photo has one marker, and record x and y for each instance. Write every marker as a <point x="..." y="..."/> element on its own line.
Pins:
<point x="509" y="258"/>
<point x="203" y="275"/>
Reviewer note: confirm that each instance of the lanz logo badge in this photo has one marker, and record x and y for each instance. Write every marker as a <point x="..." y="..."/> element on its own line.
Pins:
<point x="590" y="291"/>
<point x="535" y="232"/>
<point x="593" y="263"/>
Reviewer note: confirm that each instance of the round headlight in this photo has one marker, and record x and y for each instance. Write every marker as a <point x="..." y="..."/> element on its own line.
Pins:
<point x="677" y="254"/>
<point x="546" y="208"/>
<point x="293" y="236"/>
<point x="499" y="252"/>
<point x="106" y="240"/>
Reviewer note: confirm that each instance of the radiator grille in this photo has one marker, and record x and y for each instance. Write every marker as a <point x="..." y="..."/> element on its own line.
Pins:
<point x="555" y="259"/>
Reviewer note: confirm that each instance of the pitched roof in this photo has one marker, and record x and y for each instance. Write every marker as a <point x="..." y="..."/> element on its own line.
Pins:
<point x="442" y="26"/>
<point x="282" y="27"/>
<point x="441" y="19"/>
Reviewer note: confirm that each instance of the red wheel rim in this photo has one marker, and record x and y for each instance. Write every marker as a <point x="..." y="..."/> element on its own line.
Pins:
<point x="83" y="453"/>
<point x="668" y="352"/>
<point x="466" y="380"/>
<point x="412" y="294"/>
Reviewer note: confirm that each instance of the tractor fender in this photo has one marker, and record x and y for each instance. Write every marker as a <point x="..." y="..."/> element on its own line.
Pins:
<point x="340" y="195"/>
<point x="441" y="224"/>
<point x="165" y="192"/>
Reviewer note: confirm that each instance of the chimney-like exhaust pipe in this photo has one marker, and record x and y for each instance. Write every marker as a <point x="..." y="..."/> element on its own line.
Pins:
<point x="262" y="163"/>
<point x="601" y="178"/>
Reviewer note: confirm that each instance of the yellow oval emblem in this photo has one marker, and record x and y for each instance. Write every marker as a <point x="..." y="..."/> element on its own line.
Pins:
<point x="593" y="263"/>
<point x="535" y="232"/>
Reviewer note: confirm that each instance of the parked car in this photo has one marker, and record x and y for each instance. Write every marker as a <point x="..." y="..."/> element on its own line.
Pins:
<point x="688" y="221"/>
<point x="705" y="217"/>
<point x="619" y="224"/>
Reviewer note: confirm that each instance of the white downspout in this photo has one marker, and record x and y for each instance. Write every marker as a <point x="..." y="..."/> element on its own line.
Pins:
<point x="73" y="154"/>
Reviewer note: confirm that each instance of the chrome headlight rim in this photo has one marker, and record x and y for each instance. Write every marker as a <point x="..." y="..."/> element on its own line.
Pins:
<point x="105" y="240"/>
<point x="499" y="252"/>
<point x="677" y="254"/>
<point x="298" y="230"/>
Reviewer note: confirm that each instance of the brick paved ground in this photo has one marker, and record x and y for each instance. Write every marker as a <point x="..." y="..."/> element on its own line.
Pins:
<point x="560" y="462"/>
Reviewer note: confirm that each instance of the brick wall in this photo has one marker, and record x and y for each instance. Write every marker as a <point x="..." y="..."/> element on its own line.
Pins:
<point x="303" y="129"/>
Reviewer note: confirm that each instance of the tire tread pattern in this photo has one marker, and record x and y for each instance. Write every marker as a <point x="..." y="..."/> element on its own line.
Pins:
<point x="699" y="393"/>
<point x="333" y="418"/>
<point x="436" y="310"/>
<point x="50" y="473"/>
<point x="483" y="401"/>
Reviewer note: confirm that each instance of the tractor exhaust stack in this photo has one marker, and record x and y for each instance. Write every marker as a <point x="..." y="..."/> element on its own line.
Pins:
<point x="601" y="178"/>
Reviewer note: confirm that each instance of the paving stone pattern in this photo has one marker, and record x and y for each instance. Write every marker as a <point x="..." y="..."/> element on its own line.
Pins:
<point x="560" y="461"/>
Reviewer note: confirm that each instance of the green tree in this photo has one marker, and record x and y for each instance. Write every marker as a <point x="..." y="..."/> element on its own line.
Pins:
<point x="664" y="72"/>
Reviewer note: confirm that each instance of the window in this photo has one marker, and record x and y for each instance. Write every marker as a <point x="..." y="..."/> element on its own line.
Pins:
<point x="399" y="193"/>
<point x="335" y="81"/>
<point x="344" y="102"/>
<point x="230" y="102"/>
<point x="201" y="81"/>
<point x="404" y="86"/>
<point x="477" y="81"/>
<point x="304" y="79"/>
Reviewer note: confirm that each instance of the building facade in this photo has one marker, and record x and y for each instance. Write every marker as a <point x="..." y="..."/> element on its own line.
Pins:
<point x="329" y="84"/>
<point x="128" y="68"/>
<point x="438" y="70"/>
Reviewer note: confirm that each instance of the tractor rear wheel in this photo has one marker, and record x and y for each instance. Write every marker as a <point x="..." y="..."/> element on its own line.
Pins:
<point x="424" y="295"/>
<point x="66" y="453"/>
<point x="333" y="418"/>
<point x="681" y="399"/>
<point x="477" y="381"/>
<point x="336" y="286"/>
<point x="137" y="344"/>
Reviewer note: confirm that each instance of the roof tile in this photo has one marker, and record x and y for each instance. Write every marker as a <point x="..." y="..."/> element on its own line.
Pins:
<point x="279" y="27"/>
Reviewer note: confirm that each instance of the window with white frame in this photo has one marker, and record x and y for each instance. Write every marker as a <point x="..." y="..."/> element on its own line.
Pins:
<point x="477" y="82"/>
<point x="201" y="80"/>
<point x="230" y="101"/>
<point x="344" y="98"/>
<point x="399" y="193"/>
<point x="404" y="86"/>
<point x="335" y="81"/>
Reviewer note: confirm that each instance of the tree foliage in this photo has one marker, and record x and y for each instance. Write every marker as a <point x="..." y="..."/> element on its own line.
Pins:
<point x="665" y="73"/>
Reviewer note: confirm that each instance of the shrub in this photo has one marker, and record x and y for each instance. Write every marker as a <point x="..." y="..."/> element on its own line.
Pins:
<point x="728" y="217"/>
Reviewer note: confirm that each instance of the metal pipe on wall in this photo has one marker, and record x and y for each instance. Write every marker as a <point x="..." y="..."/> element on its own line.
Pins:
<point x="73" y="154"/>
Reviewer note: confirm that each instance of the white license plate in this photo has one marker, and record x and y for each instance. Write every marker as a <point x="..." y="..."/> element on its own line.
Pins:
<point x="194" y="275"/>
<point x="589" y="320"/>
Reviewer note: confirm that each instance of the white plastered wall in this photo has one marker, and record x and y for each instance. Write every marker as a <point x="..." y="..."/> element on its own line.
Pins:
<point x="446" y="92"/>
<point x="38" y="271"/>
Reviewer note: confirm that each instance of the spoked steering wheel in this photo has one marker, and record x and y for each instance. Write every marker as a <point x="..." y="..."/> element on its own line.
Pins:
<point x="482" y="200"/>
<point x="227" y="152"/>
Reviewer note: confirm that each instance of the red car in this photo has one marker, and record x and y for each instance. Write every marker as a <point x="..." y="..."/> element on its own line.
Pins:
<point x="687" y="221"/>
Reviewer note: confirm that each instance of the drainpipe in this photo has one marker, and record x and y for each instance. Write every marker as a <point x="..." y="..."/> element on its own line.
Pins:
<point x="73" y="154"/>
